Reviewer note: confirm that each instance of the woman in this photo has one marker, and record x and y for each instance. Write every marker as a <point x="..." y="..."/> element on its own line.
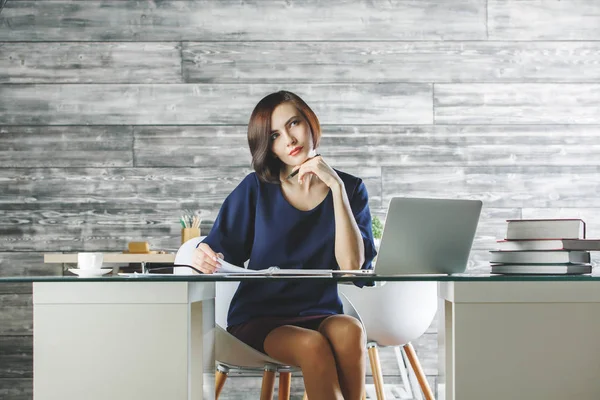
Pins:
<point x="318" y="219"/>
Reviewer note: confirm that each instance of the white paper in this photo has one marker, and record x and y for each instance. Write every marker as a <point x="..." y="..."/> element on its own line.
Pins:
<point x="320" y="272"/>
<point x="230" y="269"/>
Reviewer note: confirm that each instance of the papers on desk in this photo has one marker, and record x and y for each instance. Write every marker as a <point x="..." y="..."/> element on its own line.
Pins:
<point x="230" y="269"/>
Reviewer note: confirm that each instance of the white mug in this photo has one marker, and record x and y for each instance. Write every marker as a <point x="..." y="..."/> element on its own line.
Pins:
<point x="89" y="260"/>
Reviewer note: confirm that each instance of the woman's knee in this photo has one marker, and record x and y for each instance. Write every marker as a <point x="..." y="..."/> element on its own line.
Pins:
<point x="345" y="333"/>
<point x="314" y="342"/>
<point x="297" y="346"/>
<point x="314" y="348"/>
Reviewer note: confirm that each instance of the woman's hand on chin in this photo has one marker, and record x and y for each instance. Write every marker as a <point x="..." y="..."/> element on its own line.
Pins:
<point x="321" y="169"/>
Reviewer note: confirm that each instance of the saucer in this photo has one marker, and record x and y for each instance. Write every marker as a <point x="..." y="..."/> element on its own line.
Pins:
<point x="88" y="273"/>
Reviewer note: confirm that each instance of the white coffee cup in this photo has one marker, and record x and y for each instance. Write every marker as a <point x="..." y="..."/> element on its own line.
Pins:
<point x="89" y="260"/>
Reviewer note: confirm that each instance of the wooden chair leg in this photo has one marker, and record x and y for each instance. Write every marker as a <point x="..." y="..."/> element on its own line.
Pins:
<point x="220" y="377"/>
<point x="364" y="396"/>
<point x="268" y="384"/>
<point x="285" y="385"/>
<point x="416" y="366"/>
<point x="376" y="370"/>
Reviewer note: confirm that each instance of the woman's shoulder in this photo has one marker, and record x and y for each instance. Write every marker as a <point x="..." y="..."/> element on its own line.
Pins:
<point x="252" y="184"/>
<point x="246" y="187"/>
<point x="250" y="180"/>
<point x="351" y="182"/>
<point x="348" y="178"/>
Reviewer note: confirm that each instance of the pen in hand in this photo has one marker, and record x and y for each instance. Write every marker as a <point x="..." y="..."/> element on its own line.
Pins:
<point x="293" y="174"/>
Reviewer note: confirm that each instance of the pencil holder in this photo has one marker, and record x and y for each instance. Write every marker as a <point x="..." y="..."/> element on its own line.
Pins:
<point x="188" y="233"/>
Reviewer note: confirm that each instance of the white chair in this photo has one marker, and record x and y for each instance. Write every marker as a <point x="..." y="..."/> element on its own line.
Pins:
<point x="395" y="314"/>
<point x="232" y="353"/>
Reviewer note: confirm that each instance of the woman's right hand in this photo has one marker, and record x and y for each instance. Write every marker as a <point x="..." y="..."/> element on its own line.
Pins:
<point x="205" y="259"/>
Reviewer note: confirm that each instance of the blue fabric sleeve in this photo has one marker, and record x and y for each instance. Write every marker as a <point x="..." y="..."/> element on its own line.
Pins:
<point x="233" y="231"/>
<point x="359" y="203"/>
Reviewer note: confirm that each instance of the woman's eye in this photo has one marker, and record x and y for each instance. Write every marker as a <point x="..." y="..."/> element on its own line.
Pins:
<point x="274" y="136"/>
<point x="295" y="122"/>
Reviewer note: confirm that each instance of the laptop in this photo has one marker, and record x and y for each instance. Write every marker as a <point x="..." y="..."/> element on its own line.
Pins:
<point x="427" y="236"/>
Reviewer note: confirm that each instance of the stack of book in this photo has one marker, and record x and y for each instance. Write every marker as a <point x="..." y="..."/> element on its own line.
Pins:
<point x="544" y="246"/>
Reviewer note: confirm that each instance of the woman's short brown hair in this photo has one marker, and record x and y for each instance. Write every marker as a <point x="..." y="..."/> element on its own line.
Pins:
<point x="266" y="165"/>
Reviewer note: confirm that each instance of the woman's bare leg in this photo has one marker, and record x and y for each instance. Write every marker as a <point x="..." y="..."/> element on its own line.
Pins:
<point x="347" y="339"/>
<point x="311" y="351"/>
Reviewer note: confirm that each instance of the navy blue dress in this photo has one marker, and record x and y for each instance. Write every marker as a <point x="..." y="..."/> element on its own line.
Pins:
<point x="256" y="222"/>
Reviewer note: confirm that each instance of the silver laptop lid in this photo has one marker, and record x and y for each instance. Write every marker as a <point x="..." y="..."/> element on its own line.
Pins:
<point x="427" y="236"/>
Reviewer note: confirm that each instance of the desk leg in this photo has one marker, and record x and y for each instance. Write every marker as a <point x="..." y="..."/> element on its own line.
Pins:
<point x="445" y="351"/>
<point x="202" y="342"/>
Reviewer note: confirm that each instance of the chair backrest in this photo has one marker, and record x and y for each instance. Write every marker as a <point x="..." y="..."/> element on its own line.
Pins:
<point x="394" y="313"/>
<point x="224" y="292"/>
<point x="184" y="256"/>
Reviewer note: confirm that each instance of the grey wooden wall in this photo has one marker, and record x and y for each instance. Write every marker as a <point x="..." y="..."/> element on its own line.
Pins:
<point x="116" y="115"/>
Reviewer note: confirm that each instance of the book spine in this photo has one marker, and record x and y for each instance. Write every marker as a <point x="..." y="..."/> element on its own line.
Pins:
<point x="548" y="244"/>
<point x="550" y="229"/>
<point x="540" y="257"/>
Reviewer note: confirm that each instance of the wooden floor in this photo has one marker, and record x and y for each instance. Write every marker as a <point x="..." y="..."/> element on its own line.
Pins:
<point x="247" y="388"/>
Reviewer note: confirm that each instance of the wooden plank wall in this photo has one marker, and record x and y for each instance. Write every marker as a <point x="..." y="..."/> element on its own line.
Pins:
<point x="117" y="115"/>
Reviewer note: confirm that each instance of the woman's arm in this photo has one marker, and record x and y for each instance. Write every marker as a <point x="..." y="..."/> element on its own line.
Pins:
<point x="232" y="233"/>
<point x="349" y="246"/>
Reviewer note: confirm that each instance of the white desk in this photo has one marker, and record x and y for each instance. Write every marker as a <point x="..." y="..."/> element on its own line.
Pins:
<point x="122" y="338"/>
<point x="536" y="340"/>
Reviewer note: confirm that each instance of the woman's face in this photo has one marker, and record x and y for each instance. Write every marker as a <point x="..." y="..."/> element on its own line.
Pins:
<point x="291" y="137"/>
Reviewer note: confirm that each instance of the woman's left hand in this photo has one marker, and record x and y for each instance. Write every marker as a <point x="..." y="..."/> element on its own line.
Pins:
<point x="320" y="168"/>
